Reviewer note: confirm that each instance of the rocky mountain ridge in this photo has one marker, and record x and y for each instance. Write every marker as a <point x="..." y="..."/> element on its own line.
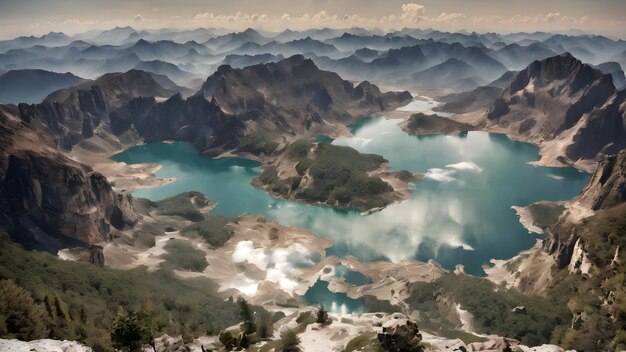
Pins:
<point x="47" y="200"/>
<point x="256" y="108"/>
<point x="571" y="109"/>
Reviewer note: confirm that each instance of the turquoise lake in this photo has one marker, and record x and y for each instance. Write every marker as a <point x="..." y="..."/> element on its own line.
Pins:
<point x="460" y="213"/>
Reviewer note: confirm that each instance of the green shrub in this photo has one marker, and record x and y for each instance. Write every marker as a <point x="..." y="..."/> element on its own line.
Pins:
<point x="93" y="295"/>
<point x="181" y="255"/>
<point x="247" y="317"/>
<point x="258" y="143"/>
<point x="374" y="305"/>
<point x="299" y="149"/>
<point x="20" y="316"/>
<point x="492" y="309"/>
<point x="213" y="229"/>
<point x="132" y="330"/>
<point x="289" y="341"/>
<point x="321" y="317"/>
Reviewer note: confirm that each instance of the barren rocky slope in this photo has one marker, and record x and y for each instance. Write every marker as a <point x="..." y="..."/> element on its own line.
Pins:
<point x="47" y="200"/>
<point x="570" y="108"/>
<point x="256" y="108"/>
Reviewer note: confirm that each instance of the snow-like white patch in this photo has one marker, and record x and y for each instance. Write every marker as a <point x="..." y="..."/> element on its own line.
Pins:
<point x="241" y="283"/>
<point x="278" y="263"/>
<point x="447" y="174"/>
<point x="465" y="165"/>
<point x="440" y="175"/>
<point x="579" y="260"/>
<point x="45" y="345"/>
<point x="360" y="142"/>
<point x="465" y="317"/>
<point x="456" y="243"/>
<point x="423" y="104"/>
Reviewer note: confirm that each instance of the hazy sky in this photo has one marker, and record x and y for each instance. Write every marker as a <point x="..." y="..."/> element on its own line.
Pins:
<point x="18" y="17"/>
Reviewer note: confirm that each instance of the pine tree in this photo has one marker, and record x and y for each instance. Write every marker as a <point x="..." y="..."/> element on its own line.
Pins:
<point x="22" y="317"/>
<point x="247" y="318"/>
<point x="130" y="331"/>
<point x="322" y="316"/>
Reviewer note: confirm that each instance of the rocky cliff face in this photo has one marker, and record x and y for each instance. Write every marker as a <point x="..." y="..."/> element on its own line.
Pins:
<point x="603" y="130"/>
<point x="195" y="120"/>
<point x="48" y="201"/>
<point x="562" y="99"/>
<point x="118" y="88"/>
<point x="607" y="186"/>
<point x="605" y="190"/>
<point x="74" y="114"/>
<point x="45" y="200"/>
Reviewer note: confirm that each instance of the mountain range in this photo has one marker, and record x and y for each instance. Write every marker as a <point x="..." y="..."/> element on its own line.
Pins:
<point x="269" y="97"/>
<point x="355" y="53"/>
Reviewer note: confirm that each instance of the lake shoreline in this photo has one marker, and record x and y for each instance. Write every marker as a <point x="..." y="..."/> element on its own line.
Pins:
<point x="335" y="285"/>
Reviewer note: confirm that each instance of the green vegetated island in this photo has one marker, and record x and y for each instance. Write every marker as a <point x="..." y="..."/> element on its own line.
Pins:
<point x="331" y="175"/>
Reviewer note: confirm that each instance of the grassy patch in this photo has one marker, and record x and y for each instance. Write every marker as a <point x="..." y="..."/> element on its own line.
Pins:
<point x="600" y="298"/>
<point x="181" y="255"/>
<point x="491" y="307"/>
<point x="258" y="143"/>
<point x="92" y="296"/>
<point x="185" y="205"/>
<point x="374" y="305"/>
<point x="213" y="229"/>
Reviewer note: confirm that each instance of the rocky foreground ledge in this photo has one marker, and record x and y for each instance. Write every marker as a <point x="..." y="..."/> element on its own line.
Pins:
<point x="339" y="333"/>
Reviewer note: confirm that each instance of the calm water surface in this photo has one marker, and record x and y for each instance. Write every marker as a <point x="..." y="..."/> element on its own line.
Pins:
<point x="460" y="213"/>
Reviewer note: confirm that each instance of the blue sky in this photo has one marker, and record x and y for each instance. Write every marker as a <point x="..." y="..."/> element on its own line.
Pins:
<point x="41" y="16"/>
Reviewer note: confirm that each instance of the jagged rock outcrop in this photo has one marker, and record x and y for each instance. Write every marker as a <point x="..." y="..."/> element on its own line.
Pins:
<point x="117" y="88"/>
<point x="253" y="109"/>
<point x="93" y="254"/>
<point x="400" y="335"/>
<point x="605" y="189"/>
<point x="45" y="200"/>
<point x="563" y="100"/>
<point x="603" y="131"/>
<point x="195" y="120"/>
<point x="294" y="86"/>
<point x="74" y="114"/>
<point x="607" y="186"/>
<point x="48" y="201"/>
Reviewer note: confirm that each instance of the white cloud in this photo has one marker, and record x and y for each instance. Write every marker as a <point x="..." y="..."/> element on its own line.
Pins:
<point x="409" y="14"/>
<point x="412" y="12"/>
<point x="445" y="17"/>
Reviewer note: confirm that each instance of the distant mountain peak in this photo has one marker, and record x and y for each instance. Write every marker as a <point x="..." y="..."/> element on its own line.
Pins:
<point x="250" y="31"/>
<point x="142" y="42"/>
<point x="559" y="67"/>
